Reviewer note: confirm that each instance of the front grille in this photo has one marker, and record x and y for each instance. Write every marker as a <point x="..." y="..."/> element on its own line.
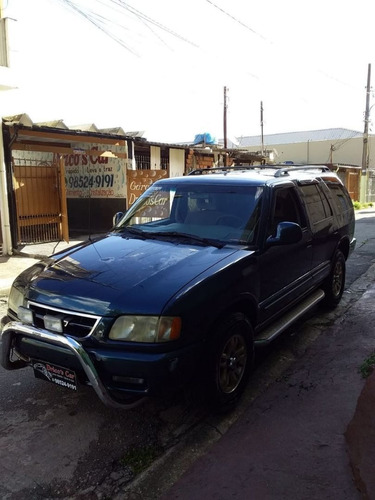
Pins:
<point x="74" y="324"/>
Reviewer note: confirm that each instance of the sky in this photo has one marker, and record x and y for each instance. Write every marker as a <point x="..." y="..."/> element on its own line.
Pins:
<point x="164" y="68"/>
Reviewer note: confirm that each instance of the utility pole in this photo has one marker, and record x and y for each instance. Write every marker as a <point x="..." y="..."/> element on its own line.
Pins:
<point x="225" y="125"/>
<point x="225" y="117"/>
<point x="367" y="116"/>
<point x="261" y="125"/>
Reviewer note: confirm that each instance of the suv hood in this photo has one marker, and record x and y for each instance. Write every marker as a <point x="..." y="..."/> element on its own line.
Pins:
<point x="115" y="274"/>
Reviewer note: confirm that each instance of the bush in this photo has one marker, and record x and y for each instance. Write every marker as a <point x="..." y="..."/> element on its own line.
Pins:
<point x="367" y="367"/>
<point x="358" y="205"/>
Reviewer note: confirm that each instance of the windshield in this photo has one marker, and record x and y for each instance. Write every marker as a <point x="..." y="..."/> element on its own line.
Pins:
<point x="222" y="213"/>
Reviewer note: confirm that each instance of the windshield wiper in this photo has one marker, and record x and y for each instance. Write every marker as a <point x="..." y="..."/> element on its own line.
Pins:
<point x="132" y="230"/>
<point x="187" y="236"/>
<point x="173" y="234"/>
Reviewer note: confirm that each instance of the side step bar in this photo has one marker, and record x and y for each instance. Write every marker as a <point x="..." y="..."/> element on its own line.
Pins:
<point x="270" y="333"/>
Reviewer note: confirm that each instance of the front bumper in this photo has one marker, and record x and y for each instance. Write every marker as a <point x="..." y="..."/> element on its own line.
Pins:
<point x="99" y="366"/>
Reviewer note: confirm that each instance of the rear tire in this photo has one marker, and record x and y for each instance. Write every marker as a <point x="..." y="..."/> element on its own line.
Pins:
<point x="231" y="360"/>
<point x="335" y="283"/>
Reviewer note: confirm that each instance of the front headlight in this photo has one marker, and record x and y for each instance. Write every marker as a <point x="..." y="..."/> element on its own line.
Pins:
<point x="146" y="328"/>
<point x="15" y="299"/>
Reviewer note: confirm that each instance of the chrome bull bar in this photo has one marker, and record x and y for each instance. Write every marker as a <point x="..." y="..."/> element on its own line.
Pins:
<point x="15" y="327"/>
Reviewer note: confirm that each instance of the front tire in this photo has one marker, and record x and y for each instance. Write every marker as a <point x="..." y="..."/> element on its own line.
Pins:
<point x="335" y="283"/>
<point x="232" y="358"/>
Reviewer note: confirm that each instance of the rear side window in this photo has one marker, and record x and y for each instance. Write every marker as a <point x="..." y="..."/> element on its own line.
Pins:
<point x="323" y="195"/>
<point x="340" y="197"/>
<point x="316" y="203"/>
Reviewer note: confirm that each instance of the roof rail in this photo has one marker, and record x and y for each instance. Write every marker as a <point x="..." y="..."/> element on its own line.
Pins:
<point x="280" y="171"/>
<point x="285" y="170"/>
<point x="200" y="171"/>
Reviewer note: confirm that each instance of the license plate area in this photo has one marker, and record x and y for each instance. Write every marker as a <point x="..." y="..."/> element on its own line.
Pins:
<point x="59" y="375"/>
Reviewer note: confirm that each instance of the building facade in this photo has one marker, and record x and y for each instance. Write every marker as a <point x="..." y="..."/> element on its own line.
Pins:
<point x="63" y="181"/>
<point x="337" y="146"/>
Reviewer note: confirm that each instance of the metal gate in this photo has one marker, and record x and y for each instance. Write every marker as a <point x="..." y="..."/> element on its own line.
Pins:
<point x="38" y="192"/>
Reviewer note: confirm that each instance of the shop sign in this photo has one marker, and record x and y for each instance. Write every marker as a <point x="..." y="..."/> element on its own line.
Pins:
<point x="140" y="180"/>
<point x="95" y="176"/>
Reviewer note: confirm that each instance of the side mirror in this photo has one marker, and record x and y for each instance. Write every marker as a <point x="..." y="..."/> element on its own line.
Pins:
<point x="117" y="217"/>
<point x="287" y="233"/>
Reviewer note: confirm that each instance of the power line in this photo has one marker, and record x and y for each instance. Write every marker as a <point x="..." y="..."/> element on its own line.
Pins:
<point x="105" y="23"/>
<point x="140" y="15"/>
<point x="94" y="19"/>
<point x="237" y="20"/>
<point x="325" y="74"/>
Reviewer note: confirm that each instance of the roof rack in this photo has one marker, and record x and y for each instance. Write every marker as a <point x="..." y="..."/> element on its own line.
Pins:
<point x="201" y="171"/>
<point x="280" y="171"/>
<point x="285" y="170"/>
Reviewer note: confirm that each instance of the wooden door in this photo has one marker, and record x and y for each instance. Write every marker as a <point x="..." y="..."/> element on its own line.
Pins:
<point x="353" y="179"/>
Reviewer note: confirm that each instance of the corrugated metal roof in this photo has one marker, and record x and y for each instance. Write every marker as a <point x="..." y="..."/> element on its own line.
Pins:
<point x="53" y="124"/>
<point x="61" y="131"/>
<point x="24" y="119"/>
<point x="331" y="134"/>
<point x="113" y="130"/>
<point x="21" y="119"/>
<point x="87" y="127"/>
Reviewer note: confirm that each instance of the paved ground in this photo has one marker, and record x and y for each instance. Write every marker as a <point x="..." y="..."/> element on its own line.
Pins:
<point x="292" y="444"/>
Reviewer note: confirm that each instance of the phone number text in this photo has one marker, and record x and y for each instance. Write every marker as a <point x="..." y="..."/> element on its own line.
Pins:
<point x="89" y="181"/>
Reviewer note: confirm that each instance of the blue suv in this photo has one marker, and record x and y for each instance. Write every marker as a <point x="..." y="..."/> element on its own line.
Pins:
<point x="199" y="271"/>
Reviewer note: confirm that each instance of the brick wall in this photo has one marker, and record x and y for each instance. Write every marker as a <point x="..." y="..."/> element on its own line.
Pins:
<point x="195" y="160"/>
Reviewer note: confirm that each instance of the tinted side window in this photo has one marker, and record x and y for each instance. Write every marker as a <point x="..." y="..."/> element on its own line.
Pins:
<point x="315" y="204"/>
<point x="286" y="208"/>
<point x="340" y="197"/>
<point x="323" y="195"/>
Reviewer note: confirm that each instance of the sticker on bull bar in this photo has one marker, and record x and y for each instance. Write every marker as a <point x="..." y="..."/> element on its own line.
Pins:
<point x="56" y="374"/>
